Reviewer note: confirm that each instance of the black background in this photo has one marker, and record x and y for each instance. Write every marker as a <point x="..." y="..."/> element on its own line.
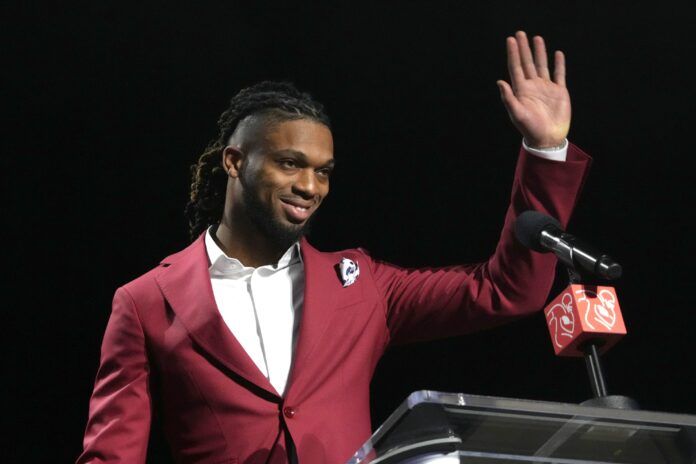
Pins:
<point x="108" y="103"/>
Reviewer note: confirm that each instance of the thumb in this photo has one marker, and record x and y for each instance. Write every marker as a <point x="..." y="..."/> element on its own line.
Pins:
<point x="505" y="90"/>
<point x="509" y="99"/>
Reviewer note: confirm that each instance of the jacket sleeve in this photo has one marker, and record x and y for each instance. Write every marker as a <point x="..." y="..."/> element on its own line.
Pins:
<point x="120" y="408"/>
<point x="424" y="304"/>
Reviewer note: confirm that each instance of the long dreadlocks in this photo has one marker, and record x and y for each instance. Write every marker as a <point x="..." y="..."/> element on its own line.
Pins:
<point x="280" y="101"/>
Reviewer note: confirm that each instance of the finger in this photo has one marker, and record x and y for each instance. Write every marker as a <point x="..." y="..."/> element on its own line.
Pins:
<point x="540" y="60"/>
<point x="559" y="68"/>
<point x="526" y="55"/>
<point x="513" y="61"/>
<point x="511" y="103"/>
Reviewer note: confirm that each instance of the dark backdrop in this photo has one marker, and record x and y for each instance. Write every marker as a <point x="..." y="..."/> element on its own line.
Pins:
<point x="108" y="103"/>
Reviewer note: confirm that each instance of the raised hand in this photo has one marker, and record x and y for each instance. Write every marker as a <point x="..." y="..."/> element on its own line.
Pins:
<point x="538" y="106"/>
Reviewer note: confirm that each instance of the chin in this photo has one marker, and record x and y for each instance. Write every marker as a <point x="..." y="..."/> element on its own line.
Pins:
<point x="272" y="222"/>
<point x="282" y="232"/>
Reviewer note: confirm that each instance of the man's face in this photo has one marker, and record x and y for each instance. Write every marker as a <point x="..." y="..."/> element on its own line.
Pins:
<point x="285" y="177"/>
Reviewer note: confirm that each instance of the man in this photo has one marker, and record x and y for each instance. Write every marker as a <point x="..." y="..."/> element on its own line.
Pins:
<point x="260" y="348"/>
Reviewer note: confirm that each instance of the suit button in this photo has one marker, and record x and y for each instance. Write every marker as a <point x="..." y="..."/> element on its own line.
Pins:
<point x="289" y="412"/>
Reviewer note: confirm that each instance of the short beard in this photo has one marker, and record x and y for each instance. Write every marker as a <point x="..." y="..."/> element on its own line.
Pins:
<point x="281" y="236"/>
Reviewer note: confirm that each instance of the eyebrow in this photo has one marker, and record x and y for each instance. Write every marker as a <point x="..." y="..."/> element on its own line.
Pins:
<point x="303" y="157"/>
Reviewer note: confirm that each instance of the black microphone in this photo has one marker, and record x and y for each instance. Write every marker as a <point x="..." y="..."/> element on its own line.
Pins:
<point x="543" y="233"/>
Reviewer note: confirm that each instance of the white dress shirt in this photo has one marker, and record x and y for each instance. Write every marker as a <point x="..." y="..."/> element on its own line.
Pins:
<point x="261" y="307"/>
<point x="556" y="153"/>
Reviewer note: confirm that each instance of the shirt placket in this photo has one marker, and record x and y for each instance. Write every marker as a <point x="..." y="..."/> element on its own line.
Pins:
<point x="273" y="299"/>
<point x="256" y="291"/>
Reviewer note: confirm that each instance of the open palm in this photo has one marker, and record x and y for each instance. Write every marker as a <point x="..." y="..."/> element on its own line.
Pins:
<point x="538" y="106"/>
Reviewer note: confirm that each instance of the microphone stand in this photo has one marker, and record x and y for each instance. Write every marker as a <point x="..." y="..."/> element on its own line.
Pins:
<point x="595" y="371"/>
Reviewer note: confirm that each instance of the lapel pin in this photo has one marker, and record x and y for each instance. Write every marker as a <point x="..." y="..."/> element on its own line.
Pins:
<point x="348" y="271"/>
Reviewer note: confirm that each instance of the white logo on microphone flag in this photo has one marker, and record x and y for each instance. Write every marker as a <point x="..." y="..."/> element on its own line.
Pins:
<point x="598" y="308"/>
<point x="560" y="317"/>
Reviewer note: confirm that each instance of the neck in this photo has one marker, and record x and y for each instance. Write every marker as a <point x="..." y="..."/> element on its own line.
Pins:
<point x="240" y="239"/>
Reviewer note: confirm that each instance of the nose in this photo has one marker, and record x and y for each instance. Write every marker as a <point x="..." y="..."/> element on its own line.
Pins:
<point x="306" y="184"/>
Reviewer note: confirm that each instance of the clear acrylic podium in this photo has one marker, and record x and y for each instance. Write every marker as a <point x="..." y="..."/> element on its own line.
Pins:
<point x="441" y="428"/>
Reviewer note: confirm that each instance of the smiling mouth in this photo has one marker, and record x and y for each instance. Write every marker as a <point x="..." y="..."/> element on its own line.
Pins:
<point x="295" y="211"/>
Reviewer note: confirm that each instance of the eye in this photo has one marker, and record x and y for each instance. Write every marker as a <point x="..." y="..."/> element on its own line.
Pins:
<point x="325" y="172"/>
<point x="287" y="163"/>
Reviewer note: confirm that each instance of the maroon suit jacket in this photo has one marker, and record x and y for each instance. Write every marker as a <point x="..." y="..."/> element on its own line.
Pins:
<point x="219" y="408"/>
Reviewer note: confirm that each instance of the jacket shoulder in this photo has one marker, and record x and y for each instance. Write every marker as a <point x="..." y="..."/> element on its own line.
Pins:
<point x="146" y="285"/>
<point x="143" y="283"/>
<point x="350" y="253"/>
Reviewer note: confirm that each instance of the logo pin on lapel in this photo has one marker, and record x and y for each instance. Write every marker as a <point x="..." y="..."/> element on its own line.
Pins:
<point x="348" y="271"/>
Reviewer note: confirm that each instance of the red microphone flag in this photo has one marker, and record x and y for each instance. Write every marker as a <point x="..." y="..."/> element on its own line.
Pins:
<point x="581" y="313"/>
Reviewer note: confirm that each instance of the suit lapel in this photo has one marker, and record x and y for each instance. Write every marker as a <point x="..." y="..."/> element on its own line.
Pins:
<point x="185" y="284"/>
<point x="321" y="283"/>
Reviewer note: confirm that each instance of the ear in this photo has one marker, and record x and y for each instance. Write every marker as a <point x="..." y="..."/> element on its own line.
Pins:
<point x="232" y="159"/>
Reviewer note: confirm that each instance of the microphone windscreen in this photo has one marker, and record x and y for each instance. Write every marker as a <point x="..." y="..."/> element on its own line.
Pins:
<point x="528" y="227"/>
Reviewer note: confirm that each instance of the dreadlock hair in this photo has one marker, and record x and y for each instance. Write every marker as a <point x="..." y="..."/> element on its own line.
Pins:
<point x="278" y="101"/>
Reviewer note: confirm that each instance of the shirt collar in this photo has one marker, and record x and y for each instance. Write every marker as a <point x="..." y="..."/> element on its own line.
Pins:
<point x="223" y="265"/>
